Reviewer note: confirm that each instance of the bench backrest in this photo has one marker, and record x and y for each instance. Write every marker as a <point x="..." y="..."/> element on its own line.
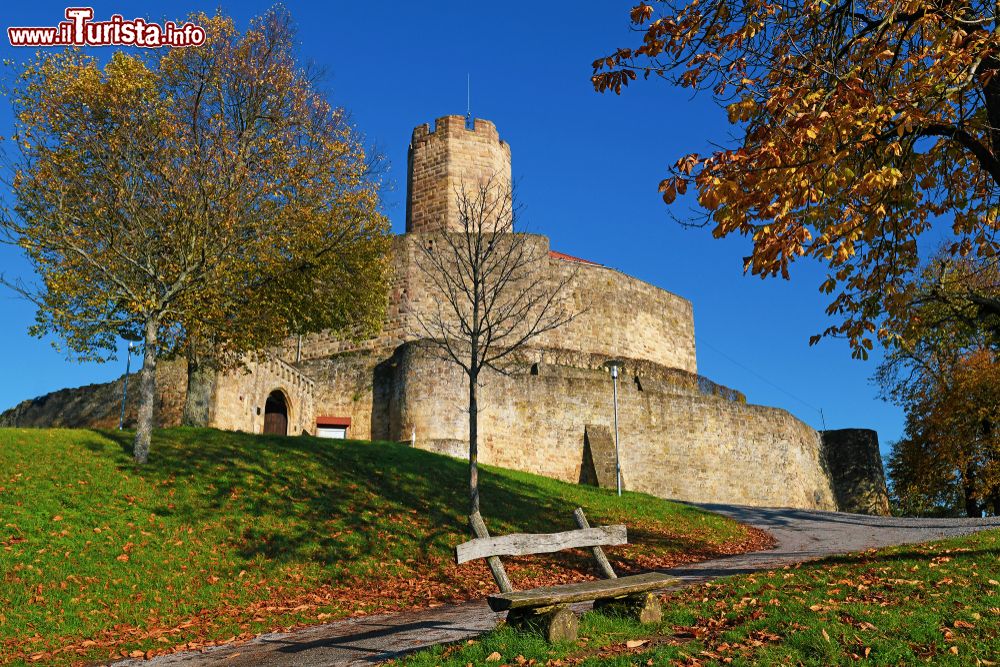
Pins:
<point x="522" y="544"/>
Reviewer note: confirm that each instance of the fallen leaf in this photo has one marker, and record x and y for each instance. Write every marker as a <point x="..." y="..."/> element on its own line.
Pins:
<point x="825" y="635"/>
<point x="636" y="643"/>
<point x="494" y="657"/>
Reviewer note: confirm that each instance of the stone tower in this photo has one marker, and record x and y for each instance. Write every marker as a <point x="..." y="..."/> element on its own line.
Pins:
<point x="446" y="160"/>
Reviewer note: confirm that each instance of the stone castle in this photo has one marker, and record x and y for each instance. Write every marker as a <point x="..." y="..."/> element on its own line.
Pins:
<point x="681" y="435"/>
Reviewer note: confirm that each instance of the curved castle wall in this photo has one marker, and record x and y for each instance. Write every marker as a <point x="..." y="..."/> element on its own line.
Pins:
<point x="622" y="316"/>
<point x="673" y="445"/>
<point x="616" y="315"/>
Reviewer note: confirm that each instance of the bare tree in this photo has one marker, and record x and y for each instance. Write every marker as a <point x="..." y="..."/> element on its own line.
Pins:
<point x="494" y="294"/>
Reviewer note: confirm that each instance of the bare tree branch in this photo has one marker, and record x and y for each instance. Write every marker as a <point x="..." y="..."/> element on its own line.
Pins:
<point x="493" y="293"/>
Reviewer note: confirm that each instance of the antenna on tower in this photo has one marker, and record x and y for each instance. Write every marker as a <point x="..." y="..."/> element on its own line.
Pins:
<point x="468" y="101"/>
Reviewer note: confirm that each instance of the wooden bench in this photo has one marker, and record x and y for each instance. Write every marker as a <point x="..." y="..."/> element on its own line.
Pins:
<point x="546" y="609"/>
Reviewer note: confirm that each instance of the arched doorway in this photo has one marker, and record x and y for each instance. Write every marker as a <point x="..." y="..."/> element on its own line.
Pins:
<point x="276" y="414"/>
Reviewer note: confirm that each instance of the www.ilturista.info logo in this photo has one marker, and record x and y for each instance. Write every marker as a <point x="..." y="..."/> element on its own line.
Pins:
<point x="80" y="30"/>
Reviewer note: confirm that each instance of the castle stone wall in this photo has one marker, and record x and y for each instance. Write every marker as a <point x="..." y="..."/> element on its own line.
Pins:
<point x="673" y="445"/>
<point x="171" y="390"/>
<point x="621" y="316"/>
<point x="615" y="315"/>
<point x="90" y="406"/>
<point x="347" y="386"/>
<point x="99" y="405"/>
<point x="240" y="396"/>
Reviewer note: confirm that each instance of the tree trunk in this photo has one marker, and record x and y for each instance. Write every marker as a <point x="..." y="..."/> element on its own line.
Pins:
<point x="972" y="507"/>
<point x="201" y="377"/>
<point x="995" y="501"/>
<point x="147" y="394"/>
<point x="473" y="445"/>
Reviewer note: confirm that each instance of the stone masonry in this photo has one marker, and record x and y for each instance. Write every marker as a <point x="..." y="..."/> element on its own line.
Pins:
<point x="446" y="160"/>
<point x="616" y="314"/>
<point x="856" y="468"/>
<point x="599" y="465"/>
<point x="675" y="441"/>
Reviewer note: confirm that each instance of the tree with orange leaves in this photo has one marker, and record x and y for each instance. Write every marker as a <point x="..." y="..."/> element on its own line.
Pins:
<point x="944" y="370"/>
<point x="950" y="456"/>
<point x="205" y="196"/>
<point x="860" y="126"/>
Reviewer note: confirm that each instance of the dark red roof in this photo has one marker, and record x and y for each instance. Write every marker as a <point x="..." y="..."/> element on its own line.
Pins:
<point x="570" y="258"/>
<point x="333" y="421"/>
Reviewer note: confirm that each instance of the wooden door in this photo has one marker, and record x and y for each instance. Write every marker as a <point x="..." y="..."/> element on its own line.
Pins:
<point x="276" y="414"/>
<point x="275" y="423"/>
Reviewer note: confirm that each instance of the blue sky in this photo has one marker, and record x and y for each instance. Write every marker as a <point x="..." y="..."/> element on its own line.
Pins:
<point x="587" y="167"/>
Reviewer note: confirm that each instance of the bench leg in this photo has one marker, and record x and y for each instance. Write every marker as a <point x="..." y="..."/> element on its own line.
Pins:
<point x="643" y="607"/>
<point x="557" y="623"/>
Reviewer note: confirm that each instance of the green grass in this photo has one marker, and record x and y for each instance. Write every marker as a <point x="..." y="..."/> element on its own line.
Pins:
<point x="937" y="603"/>
<point x="226" y="535"/>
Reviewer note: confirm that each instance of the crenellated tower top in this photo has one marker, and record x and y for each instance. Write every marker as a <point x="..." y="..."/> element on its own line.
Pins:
<point x="443" y="161"/>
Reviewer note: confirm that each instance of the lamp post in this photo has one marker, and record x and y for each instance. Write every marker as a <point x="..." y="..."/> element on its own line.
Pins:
<point x="614" y="366"/>
<point x="128" y="365"/>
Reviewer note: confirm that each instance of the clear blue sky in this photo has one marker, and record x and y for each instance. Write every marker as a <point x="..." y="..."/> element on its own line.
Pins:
<point x="587" y="165"/>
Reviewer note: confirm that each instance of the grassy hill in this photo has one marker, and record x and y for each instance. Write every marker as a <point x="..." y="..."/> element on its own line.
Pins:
<point x="227" y="535"/>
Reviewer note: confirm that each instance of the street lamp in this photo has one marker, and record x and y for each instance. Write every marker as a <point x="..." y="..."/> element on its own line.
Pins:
<point x="128" y="364"/>
<point x="615" y="365"/>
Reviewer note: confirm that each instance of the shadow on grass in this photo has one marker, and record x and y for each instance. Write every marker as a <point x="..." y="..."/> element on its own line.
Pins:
<point x="335" y="501"/>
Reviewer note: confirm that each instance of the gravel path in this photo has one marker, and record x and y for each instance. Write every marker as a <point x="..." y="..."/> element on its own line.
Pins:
<point x="801" y="535"/>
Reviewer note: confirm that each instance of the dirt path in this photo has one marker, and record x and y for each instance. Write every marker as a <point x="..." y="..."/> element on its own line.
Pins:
<point x="801" y="535"/>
